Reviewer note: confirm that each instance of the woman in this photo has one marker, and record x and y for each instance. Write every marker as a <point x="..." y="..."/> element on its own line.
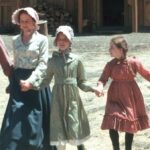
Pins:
<point x="27" y="117"/>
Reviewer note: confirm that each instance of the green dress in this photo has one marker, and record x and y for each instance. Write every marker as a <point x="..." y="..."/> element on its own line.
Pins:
<point x="69" y="122"/>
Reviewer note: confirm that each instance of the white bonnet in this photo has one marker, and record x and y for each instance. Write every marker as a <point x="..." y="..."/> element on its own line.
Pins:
<point x="31" y="12"/>
<point x="67" y="31"/>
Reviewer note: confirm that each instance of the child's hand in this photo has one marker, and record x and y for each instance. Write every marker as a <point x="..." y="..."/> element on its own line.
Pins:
<point x="99" y="92"/>
<point x="25" y="85"/>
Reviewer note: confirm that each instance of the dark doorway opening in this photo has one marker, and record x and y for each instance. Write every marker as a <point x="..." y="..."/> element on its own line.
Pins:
<point x="113" y="13"/>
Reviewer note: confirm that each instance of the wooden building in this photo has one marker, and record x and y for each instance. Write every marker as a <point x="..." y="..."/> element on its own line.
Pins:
<point x="93" y="15"/>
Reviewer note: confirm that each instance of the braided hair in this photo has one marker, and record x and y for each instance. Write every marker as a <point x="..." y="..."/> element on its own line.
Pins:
<point x="121" y="43"/>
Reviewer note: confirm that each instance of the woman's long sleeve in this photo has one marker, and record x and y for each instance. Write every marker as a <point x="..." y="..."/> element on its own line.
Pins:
<point x="43" y="82"/>
<point x="40" y="71"/>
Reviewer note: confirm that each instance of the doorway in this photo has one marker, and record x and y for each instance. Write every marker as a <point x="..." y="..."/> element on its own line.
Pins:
<point x="113" y="13"/>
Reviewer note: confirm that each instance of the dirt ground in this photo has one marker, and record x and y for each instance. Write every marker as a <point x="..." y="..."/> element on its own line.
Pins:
<point x="94" y="52"/>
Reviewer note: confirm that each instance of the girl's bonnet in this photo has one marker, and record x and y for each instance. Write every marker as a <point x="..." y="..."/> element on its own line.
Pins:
<point x="67" y="31"/>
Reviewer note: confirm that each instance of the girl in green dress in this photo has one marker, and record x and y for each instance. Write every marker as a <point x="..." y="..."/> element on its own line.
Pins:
<point x="69" y="122"/>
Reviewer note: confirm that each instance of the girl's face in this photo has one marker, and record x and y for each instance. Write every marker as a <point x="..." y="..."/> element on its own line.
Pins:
<point x="115" y="51"/>
<point x="62" y="42"/>
<point x="27" y="24"/>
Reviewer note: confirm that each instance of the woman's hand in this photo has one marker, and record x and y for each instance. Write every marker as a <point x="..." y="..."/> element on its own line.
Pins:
<point x="25" y="85"/>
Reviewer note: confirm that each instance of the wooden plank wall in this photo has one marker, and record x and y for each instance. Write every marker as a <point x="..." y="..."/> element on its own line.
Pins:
<point x="6" y="9"/>
<point x="128" y="15"/>
<point x="141" y="14"/>
<point x="146" y="12"/>
<point x="89" y="9"/>
<point x="59" y="3"/>
<point x="92" y="10"/>
<point x="69" y="5"/>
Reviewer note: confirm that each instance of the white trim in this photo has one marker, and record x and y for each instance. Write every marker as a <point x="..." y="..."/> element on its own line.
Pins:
<point x="72" y="142"/>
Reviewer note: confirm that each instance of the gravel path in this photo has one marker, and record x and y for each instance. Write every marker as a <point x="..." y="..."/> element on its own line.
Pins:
<point x="93" y="51"/>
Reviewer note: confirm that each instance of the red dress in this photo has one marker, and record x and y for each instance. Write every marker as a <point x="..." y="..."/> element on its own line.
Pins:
<point x="125" y="110"/>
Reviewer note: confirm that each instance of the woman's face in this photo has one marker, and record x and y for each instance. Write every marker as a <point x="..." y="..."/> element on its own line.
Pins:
<point x="27" y="24"/>
<point x="62" y="42"/>
<point x="115" y="51"/>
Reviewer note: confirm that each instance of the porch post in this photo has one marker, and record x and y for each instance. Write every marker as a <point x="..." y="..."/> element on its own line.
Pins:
<point x="18" y="4"/>
<point x="135" y="15"/>
<point x="64" y="5"/>
<point x="80" y="15"/>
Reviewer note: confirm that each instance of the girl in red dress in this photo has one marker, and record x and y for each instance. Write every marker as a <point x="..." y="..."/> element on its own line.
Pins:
<point x="125" y="110"/>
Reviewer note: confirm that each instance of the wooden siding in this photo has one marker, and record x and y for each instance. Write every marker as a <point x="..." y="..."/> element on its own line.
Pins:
<point x="91" y="10"/>
<point x="6" y="9"/>
<point x="147" y="12"/>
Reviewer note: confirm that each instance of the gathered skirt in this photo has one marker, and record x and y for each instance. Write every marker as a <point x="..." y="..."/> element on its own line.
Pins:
<point x="69" y="121"/>
<point x="125" y="109"/>
<point x="26" y="123"/>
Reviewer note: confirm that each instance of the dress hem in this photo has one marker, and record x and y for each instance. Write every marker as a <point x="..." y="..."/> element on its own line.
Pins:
<point x="72" y="142"/>
<point x="124" y="125"/>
